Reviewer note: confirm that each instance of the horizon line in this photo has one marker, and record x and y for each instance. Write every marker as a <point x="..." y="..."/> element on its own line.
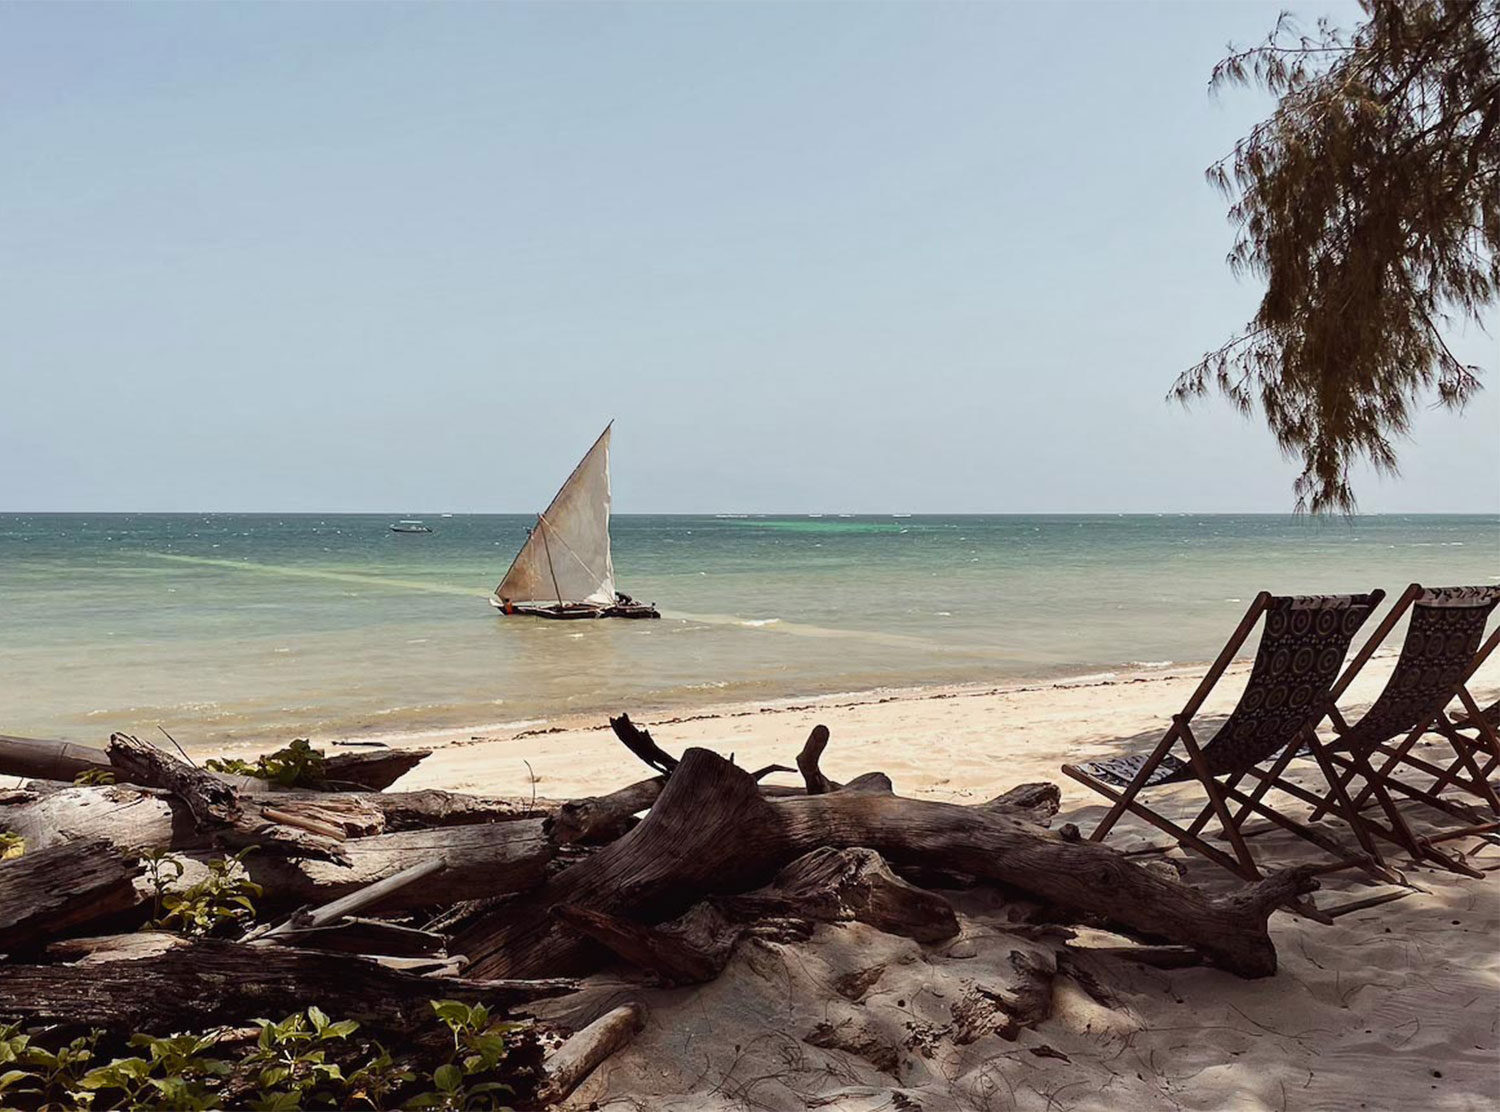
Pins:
<point x="1331" y="516"/>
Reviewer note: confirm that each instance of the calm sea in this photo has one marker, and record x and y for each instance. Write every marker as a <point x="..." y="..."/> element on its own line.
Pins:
<point x="223" y="627"/>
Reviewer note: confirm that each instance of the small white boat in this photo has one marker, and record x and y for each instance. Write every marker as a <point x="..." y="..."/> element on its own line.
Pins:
<point x="410" y="525"/>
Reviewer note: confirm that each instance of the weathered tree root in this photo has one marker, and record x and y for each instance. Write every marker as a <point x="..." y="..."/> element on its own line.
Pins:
<point x="711" y="831"/>
<point x="825" y="886"/>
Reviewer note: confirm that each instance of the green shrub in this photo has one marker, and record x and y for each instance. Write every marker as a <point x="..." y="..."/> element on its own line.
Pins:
<point x="305" y="1061"/>
<point x="299" y="765"/>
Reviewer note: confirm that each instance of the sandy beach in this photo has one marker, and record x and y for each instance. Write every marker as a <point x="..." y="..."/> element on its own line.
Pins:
<point x="1393" y="1007"/>
<point x="959" y="743"/>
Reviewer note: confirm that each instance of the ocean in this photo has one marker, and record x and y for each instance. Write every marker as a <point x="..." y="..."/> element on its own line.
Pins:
<point x="226" y="628"/>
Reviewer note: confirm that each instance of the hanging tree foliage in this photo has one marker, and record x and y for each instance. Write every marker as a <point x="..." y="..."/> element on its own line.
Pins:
<point x="1370" y="204"/>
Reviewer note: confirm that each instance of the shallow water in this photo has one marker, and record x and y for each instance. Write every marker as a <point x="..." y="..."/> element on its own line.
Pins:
<point x="227" y="626"/>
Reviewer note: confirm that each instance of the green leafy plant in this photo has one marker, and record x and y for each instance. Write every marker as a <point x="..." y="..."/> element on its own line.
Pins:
<point x="162" y="867"/>
<point x="40" y="1073"/>
<point x="478" y="1049"/>
<point x="373" y="1083"/>
<point x="94" y="777"/>
<point x="297" y="765"/>
<point x="292" y="1057"/>
<point x="11" y="845"/>
<point x="177" y="1074"/>
<point x="220" y="900"/>
<point x="303" y="1061"/>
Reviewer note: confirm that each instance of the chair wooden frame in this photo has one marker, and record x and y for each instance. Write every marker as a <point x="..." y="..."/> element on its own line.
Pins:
<point x="1221" y="794"/>
<point x="1462" y="772"/>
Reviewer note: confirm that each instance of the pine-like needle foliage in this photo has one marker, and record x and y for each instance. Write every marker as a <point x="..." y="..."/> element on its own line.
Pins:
<point x="1370" y="205"/>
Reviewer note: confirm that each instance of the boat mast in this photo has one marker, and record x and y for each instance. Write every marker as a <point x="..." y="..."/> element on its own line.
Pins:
<point x="541" y="520"/>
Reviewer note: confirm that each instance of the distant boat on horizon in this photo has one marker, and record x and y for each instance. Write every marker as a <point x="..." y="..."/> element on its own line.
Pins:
<point x="565" y="568"/>
<point x="410" y="525"/>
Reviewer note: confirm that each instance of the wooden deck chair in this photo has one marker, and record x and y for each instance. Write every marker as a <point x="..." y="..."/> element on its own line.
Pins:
<point x="1302" y="648"/>
<point x="1485" y="727"/>
<point x="1445" y="644"/>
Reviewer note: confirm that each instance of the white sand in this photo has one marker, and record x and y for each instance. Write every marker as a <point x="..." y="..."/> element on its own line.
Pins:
<point x="1392" y="1008"/>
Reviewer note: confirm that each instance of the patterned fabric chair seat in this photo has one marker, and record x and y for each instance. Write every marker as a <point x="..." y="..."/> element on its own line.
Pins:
<point x="1301" y="650"/>
<point x="1446" y="628"/>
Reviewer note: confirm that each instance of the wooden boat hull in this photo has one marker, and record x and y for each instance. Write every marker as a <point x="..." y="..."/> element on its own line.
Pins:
<point x="574" y="611"/>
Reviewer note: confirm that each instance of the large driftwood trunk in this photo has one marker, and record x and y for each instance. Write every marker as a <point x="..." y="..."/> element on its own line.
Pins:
<point x="127" y="817"/>
<point x="49" y="893"/>
<point x="373" y="770"/>
<point x="131" y="816"/>
<point x="49" y="760"/>
<point x="185" y="985"/>
<point x="483" y="859"/>
<point x="711" y="831"/>
<point x="45" y="759"/>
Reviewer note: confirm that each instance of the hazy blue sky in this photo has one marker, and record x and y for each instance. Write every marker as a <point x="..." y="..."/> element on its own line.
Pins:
<point x="859" y="257"/>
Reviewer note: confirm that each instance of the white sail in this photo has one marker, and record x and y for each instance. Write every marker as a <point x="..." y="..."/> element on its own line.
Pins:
<point x="566" y="558"/>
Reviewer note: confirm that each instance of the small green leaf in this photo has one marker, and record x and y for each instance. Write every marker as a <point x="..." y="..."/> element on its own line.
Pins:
<point x="447" y="1078"/>
<point x="11" y="1077"/>
<point x="450" y="1011"/>
<point x="273" y="1075"/>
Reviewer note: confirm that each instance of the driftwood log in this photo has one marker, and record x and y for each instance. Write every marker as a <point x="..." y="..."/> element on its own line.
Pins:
<point x="570" y="1064"/>
<point x="127" y="815"/>
<point x="196" y="984"/>
<point x="712" y="832"/>
<point x="49" y="760"/>
<point x="374" y="770"/>
<point x="848" y="885"/>
<point x="217" y="808"/>
<point x="825" y="886"/>
<point x="63" y="761"/>
<point x="600" y="819"/>
<point x="482" y="859"/>
<point x="54" y="892"/>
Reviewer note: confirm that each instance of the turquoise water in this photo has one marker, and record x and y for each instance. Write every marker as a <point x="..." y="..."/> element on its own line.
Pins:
<point x="222" y="627"/>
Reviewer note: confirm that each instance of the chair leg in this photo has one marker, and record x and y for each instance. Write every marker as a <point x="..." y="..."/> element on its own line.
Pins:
<point x="1477" y="778"/>
<point x="1337" y="789"/>
<point x="1460" y="811"/>
<point x="1399" y="833"/>
<point x="1212" y="852"/>
<point x="1213" y="790"/>
<point x="1127" y="798"/>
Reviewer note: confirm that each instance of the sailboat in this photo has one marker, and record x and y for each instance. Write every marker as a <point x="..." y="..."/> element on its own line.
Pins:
<point x="564" y="570"/>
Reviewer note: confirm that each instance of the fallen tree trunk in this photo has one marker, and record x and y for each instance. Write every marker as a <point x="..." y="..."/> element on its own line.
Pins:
<point x="825" y="886"/>
<point x="50" y="893"/>
<point x="711" y="831"/>
<point x="46" y="759"/>
<point x="842" y="885"/>
<point x="127" y="815"/>
<point x="198" y="984"/>
<point x="217" y="808"/>
<point x="374" y="770"/>
<point x="485" y="859"/>
<point x="49" y="760"/>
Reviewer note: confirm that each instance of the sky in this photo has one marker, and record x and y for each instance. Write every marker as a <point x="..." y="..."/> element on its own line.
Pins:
<point x="810" y="257"/>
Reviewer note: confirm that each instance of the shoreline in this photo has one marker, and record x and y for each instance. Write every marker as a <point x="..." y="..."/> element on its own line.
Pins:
<point x="949" y="741"/>
<point x="678" y="713"/>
